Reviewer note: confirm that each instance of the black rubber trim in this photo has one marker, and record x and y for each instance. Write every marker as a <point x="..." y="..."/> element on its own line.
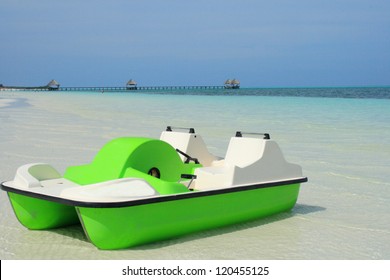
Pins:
<point x="157" y="199"/>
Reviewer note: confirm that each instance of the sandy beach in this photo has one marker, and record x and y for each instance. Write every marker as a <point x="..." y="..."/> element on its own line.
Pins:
<point x="343" y="211"/>
<point x="7" y="102"/>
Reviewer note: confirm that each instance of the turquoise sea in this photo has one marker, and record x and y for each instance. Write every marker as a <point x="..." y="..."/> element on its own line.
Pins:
<point x="340" y="136"/>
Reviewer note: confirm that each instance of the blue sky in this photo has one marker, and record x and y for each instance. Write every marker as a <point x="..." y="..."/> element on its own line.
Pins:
<point x="279" y="43"/>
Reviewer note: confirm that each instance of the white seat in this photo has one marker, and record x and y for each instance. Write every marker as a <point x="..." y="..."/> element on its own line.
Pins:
<point x="243" y="151"/>
<point x="190" y="143"/>
<point x="29" y="175"/>
<point x="247" y="161"/>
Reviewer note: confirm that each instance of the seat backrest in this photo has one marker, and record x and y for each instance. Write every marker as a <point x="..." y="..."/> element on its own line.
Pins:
<point x="178" y="140"/>
<point x="191" y="144"/>
<point x="244" y="151"/>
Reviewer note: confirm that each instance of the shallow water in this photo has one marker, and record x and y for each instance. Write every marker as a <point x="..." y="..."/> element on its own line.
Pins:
<point x="343" y="145"/>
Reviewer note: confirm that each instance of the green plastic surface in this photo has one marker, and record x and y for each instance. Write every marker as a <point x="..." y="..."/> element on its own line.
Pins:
<point x="118" y="228"/>
<point x="123" y="227"/>
<point x="34" y="213"/>
<point x="134" y="157"/>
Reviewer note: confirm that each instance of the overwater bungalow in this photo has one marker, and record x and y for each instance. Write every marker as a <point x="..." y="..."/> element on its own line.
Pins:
<point x="53" y="85"/>
<point x="131" y="85"/>
<point x="232" y="84"/>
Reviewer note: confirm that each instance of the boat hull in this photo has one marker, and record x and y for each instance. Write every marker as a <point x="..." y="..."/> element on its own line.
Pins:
<point x="124" y="227"/>
<point x="36" y="213"/>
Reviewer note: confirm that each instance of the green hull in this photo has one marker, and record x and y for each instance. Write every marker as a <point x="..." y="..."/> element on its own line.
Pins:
<point x="35" y="213"/>
<point x="117" y="228"/>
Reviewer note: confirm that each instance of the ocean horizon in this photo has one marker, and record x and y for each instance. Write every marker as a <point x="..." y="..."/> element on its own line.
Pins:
<point x="374" y="92"/>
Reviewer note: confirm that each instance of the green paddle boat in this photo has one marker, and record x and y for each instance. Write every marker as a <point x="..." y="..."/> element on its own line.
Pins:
<point x="139" y="190"/>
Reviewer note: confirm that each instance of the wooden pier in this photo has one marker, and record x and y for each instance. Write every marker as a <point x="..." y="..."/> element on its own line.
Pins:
<point x="114" y="89"/>
<point x="131" y="85"/>
<point x="139" y="88"/>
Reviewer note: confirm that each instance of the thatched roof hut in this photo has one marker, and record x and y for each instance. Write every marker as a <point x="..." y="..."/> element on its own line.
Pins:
<point x="235" y="82"/>
<point x="53" y="85"/>
<point x="131" y="84"/>
<point x="232" y="84"/>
